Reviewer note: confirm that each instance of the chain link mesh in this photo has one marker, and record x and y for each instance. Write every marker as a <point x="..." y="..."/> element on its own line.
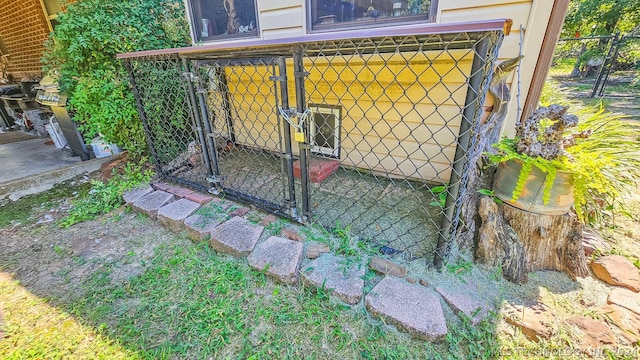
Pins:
<point x="368" y="135"/>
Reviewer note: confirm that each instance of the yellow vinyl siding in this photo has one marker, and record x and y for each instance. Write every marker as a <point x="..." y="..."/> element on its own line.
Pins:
<point x="383" y="104"/>
<point x="281" y="19"/>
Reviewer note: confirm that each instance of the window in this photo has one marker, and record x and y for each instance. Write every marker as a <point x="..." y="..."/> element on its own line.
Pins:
<point x="328" y="15"/>
<point x="217" y="19"/>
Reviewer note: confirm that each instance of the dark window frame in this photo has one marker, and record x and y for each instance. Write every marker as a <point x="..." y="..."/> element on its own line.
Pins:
<point x="429" y="17"/>
<point x="196" y="30"/>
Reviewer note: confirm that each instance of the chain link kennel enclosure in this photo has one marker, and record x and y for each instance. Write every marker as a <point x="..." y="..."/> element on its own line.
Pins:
<point x="369" y="132"/>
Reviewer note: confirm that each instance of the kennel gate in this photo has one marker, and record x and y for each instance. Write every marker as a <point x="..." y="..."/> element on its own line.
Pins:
<point x="370" y="132"/>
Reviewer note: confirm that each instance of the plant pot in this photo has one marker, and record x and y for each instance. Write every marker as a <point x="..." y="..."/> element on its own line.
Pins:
<point x="531" y="197"/>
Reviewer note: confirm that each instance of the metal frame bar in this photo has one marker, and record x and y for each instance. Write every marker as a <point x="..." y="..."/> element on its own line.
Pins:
<point x="235" y="47"/>
<point x="284" y="94"/>
<point x="197" y="117"/>
<point x="470" y="118"/>
<point x="299" y="76"/>
<point x="143" y="115"/>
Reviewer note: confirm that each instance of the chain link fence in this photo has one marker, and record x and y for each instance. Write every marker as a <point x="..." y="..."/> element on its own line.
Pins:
<point x="591" y="64"/>
<point x="370" y="136"/>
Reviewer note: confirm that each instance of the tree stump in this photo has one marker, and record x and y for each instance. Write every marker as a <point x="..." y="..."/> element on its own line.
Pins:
<point x="521" y="241"/>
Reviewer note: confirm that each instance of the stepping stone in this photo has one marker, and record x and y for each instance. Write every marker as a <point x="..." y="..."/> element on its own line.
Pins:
<point x="315" y="249"/>
<point x="199" y="226"/>
<point x="412" y="308"/>
<point x="625" y="298"/>
<point x="596" y="333"/>
<point x="237" y="237"/>
<point x="134" y="194"/>
<point x="344" y="280"/>
<point x="173" y="214"/>
<point x="627" y="321"/>
<point x="618" y="271"/>
<point x="281" y="257"/>
<point x="534" y="321"/>
<point x="386" y="267"/>
<point x="465" y="302"/>
<point x="150" y="203"/>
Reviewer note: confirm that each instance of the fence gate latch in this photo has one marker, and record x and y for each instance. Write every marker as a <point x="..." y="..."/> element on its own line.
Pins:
<point x="289" y="114"/>
<point x="191" y="77"/>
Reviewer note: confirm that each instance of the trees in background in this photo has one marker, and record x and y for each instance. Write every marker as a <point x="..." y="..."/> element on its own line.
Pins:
<point x="601" y="17"/>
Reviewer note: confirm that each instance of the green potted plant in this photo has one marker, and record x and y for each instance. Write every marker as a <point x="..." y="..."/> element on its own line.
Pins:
<point x="559" y="160"/>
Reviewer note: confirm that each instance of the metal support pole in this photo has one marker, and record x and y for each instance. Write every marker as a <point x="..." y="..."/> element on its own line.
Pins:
<point x="284" y="93"/>
<point x="469" y="118"/>
<point x="211" y="144"/>
<point x="226" y="103"/>
<point x="196" y="116"/>
<point x="299" y="75"/>
<point x="143" y="117"/>
<point x="605" y="68"/>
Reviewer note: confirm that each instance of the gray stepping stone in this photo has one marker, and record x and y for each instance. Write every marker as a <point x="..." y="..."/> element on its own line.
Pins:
<point x="344" y="280"/>
<point x="237" y="237"/>
<point x="281" y="257"/>
<point x="150" y="203"/>
<point x="412" y="308"/>
<point x="462" y="301"/>
<point x="173" y="214"/>
<point x="199" y="226"/>
<point x="134" y="194"/>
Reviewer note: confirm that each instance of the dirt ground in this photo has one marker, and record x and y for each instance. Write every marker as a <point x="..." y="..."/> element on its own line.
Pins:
<point x="53" y="262"/>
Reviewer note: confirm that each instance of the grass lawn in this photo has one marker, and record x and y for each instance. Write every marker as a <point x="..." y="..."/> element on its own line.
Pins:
<point x="188" y="302"/>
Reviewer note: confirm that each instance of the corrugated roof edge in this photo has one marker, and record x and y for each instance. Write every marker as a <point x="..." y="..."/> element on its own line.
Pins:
<point x="421" y="29"/>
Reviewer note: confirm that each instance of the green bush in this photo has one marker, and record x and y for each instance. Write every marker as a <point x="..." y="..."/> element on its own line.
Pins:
<point x="81" y="53"/>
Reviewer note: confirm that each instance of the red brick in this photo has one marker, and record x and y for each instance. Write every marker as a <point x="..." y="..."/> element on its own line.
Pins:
<point x="319" y="169"/>
<point x="199" y="198"/>
<point x="161" y="186"/>
<point x="180" y="192"/>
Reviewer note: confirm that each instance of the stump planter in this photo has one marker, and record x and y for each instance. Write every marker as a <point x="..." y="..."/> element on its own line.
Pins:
<point x="531" y="197"/>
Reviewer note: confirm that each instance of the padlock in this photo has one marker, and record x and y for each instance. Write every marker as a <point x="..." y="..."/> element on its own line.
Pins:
<point x="299" y="136"/>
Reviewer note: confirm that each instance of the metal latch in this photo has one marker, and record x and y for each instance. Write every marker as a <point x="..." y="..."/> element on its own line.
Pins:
<point x="289" y="114"/>
<point x="191" y="77"/>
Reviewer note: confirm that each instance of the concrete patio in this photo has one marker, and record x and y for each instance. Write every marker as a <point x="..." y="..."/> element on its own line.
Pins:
<point x="29" y="166"/>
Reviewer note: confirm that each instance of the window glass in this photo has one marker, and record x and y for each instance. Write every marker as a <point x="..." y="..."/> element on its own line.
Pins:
<point x="215" y="19"/>
<point x="329" y="14"/>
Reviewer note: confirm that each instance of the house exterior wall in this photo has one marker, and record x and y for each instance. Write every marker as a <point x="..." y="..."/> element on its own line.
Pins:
<point x="288" y="18"/>
<point x="23" y="30"/>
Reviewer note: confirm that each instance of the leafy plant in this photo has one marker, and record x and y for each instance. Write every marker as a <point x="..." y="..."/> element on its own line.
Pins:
<point x="441" y="192"/>
<point x="81" y="51"/>
<point x="276" y="227"/>
<point x="491" y="194"/>
<point x="106" y="196"/>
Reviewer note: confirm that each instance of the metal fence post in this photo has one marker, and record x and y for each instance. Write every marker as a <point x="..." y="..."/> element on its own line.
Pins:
<point x="300" y="75"/>
<point x="196" y="116"/>
<point x="143" y="115"/>
<point x="605" y="69"/>
<point x="284" y="93"/>
<point x="469" y="119"/>
<point x="214" y="180"/>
